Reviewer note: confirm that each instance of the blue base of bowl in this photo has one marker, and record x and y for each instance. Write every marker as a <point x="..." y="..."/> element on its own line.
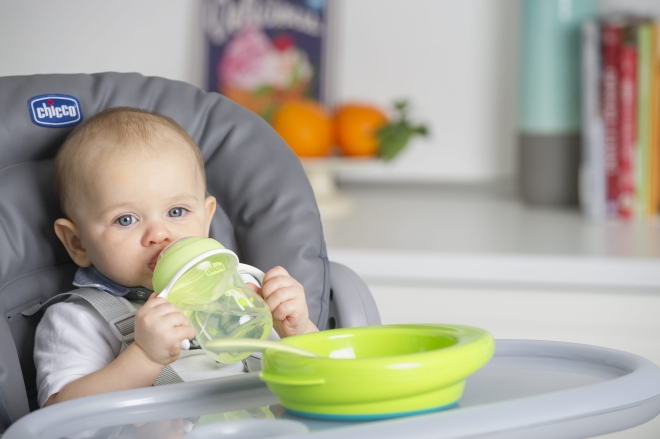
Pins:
<point x="371" y="417"/>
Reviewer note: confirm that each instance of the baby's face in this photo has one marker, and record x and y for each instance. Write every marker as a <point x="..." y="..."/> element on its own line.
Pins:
<point x="135" y="205"/>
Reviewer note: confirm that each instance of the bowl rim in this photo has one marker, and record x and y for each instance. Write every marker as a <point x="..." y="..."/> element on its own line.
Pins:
<point x="466" y="337"/>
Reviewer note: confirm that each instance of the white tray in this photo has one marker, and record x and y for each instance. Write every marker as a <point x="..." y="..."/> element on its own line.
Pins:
<point x="530" y="389"/>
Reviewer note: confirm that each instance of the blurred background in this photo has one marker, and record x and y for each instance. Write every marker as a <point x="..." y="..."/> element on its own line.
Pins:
<point x="497" y="217"/>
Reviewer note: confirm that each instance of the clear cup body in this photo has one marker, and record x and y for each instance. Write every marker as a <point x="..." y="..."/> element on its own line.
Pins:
<point x="218" y="304"/>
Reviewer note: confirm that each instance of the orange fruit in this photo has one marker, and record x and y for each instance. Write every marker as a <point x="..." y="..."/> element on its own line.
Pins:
<point x="355" y="127"/>
<point x="305" y="126"/>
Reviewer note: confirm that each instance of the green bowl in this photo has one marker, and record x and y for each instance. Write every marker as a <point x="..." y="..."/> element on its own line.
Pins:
<point x="378" y="371"/>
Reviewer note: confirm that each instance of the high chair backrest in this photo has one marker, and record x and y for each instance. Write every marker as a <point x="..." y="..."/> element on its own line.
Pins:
<point x="266" y="209"/>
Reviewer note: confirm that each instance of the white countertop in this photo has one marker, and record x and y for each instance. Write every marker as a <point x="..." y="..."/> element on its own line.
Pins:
<point x="484" y="233"/>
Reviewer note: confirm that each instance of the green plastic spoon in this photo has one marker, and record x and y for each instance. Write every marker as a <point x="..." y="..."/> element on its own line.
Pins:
<point x="254" y="345"/>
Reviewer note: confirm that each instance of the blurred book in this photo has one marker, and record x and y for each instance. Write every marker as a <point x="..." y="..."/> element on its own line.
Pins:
<point x="654" y="115"/>
<point x="612" y="43"/>
<point x="262" y="53"/>
<point x="628" y="122"/>
<point x="621" y="117"/>
<point x="642" y="174"/>
<point x="594" y="177"/>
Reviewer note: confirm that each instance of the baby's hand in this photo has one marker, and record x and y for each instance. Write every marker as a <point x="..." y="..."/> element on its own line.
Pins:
<point x="159" y="329"/>
<point x="285" y="297"/>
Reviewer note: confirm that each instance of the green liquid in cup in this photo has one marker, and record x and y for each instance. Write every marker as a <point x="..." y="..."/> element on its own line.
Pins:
<point x="218" y="304"/>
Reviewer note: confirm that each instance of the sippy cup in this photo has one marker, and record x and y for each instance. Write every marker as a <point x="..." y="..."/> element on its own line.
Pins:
<point x="202" y="278"/>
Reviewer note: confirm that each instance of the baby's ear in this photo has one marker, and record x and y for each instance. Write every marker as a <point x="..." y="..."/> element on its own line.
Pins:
<point x="209" y="205"/>
<point x="70" y="236"/>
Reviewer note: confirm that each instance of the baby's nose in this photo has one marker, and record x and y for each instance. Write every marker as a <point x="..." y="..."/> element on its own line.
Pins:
<point x="157" y="232"/>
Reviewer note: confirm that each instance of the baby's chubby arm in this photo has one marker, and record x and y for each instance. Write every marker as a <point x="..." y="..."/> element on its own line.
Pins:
<point x="159" y="329"/>
<point x="285" y="297"/>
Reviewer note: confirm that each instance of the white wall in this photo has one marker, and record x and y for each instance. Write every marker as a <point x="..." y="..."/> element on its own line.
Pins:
<point x="153" y="37"/>
<point x="458" y="63"/>
<point x="455" y="60"/>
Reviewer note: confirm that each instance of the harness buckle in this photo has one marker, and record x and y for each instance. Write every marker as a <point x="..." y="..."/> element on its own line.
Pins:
<point x="125" y="321"/>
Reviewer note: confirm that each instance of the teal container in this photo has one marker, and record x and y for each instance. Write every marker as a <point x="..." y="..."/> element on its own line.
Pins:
<point x="550" y="94"/>
<point x="550" y="85"/>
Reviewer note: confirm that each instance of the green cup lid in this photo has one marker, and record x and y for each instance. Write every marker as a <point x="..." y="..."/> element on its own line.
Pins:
<point x="176" y="255"/>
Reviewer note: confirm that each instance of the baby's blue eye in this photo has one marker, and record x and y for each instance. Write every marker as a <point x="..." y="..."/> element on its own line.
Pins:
<point x="126" y="220"/>
<point x="177" y="211"/>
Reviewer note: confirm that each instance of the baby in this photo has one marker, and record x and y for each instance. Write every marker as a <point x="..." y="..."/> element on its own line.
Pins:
<point x="131" y="182"/>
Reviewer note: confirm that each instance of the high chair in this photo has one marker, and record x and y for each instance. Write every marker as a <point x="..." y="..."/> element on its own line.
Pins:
<point x="266" y="210"/>
<point x="268" y="216"/>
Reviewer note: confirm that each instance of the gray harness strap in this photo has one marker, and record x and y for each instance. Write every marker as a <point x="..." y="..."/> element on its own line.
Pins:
<point x="121" y="321"/>
<point x="252" y="364"/>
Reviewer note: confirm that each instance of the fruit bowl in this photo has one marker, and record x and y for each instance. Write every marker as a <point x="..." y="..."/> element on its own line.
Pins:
<point x="378" y="371"/>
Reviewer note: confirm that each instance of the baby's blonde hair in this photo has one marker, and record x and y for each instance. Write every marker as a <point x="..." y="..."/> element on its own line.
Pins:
<point x="102" y="134"/>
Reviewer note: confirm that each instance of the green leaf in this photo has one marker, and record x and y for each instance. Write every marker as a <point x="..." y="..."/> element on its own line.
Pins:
<point x="394" y="136"/>
<point x="401" y="106"/>
<point x="421" y="130"/>
<point x="386" y="131"/>
<point x="392" y="145"/>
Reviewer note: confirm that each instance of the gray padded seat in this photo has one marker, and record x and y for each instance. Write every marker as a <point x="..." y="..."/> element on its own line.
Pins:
<point x="266" y="209"/>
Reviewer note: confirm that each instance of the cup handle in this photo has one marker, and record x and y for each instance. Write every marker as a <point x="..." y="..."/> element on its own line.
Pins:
<point x="249" y="269"/>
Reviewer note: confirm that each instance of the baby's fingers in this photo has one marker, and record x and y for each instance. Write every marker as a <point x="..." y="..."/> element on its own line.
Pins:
<point x="172" y="343"/>
<point x="253" y="287"/>
<point x="157" y="307"/>
<point x="281" y="295"/>
<point x="273" y="272"/>
<point x="183" y="333"/>
<point x="287" y="310"/>
<point x="174" y="319"/>
<point x="278" y="283"/>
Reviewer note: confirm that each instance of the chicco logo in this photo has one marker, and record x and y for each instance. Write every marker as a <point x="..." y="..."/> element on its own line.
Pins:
<point x="215" y="268"/>
<point x="55" y="110"/>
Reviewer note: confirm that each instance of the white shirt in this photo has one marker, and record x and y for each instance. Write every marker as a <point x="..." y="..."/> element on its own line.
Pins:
<point x="73" y="340"/>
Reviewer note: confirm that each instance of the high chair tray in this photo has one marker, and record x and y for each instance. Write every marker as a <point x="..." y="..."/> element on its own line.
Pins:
<point x="529" y="389"/>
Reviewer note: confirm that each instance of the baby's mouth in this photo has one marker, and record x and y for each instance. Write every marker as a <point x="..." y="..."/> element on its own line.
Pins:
<point x="154" y="261"/>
